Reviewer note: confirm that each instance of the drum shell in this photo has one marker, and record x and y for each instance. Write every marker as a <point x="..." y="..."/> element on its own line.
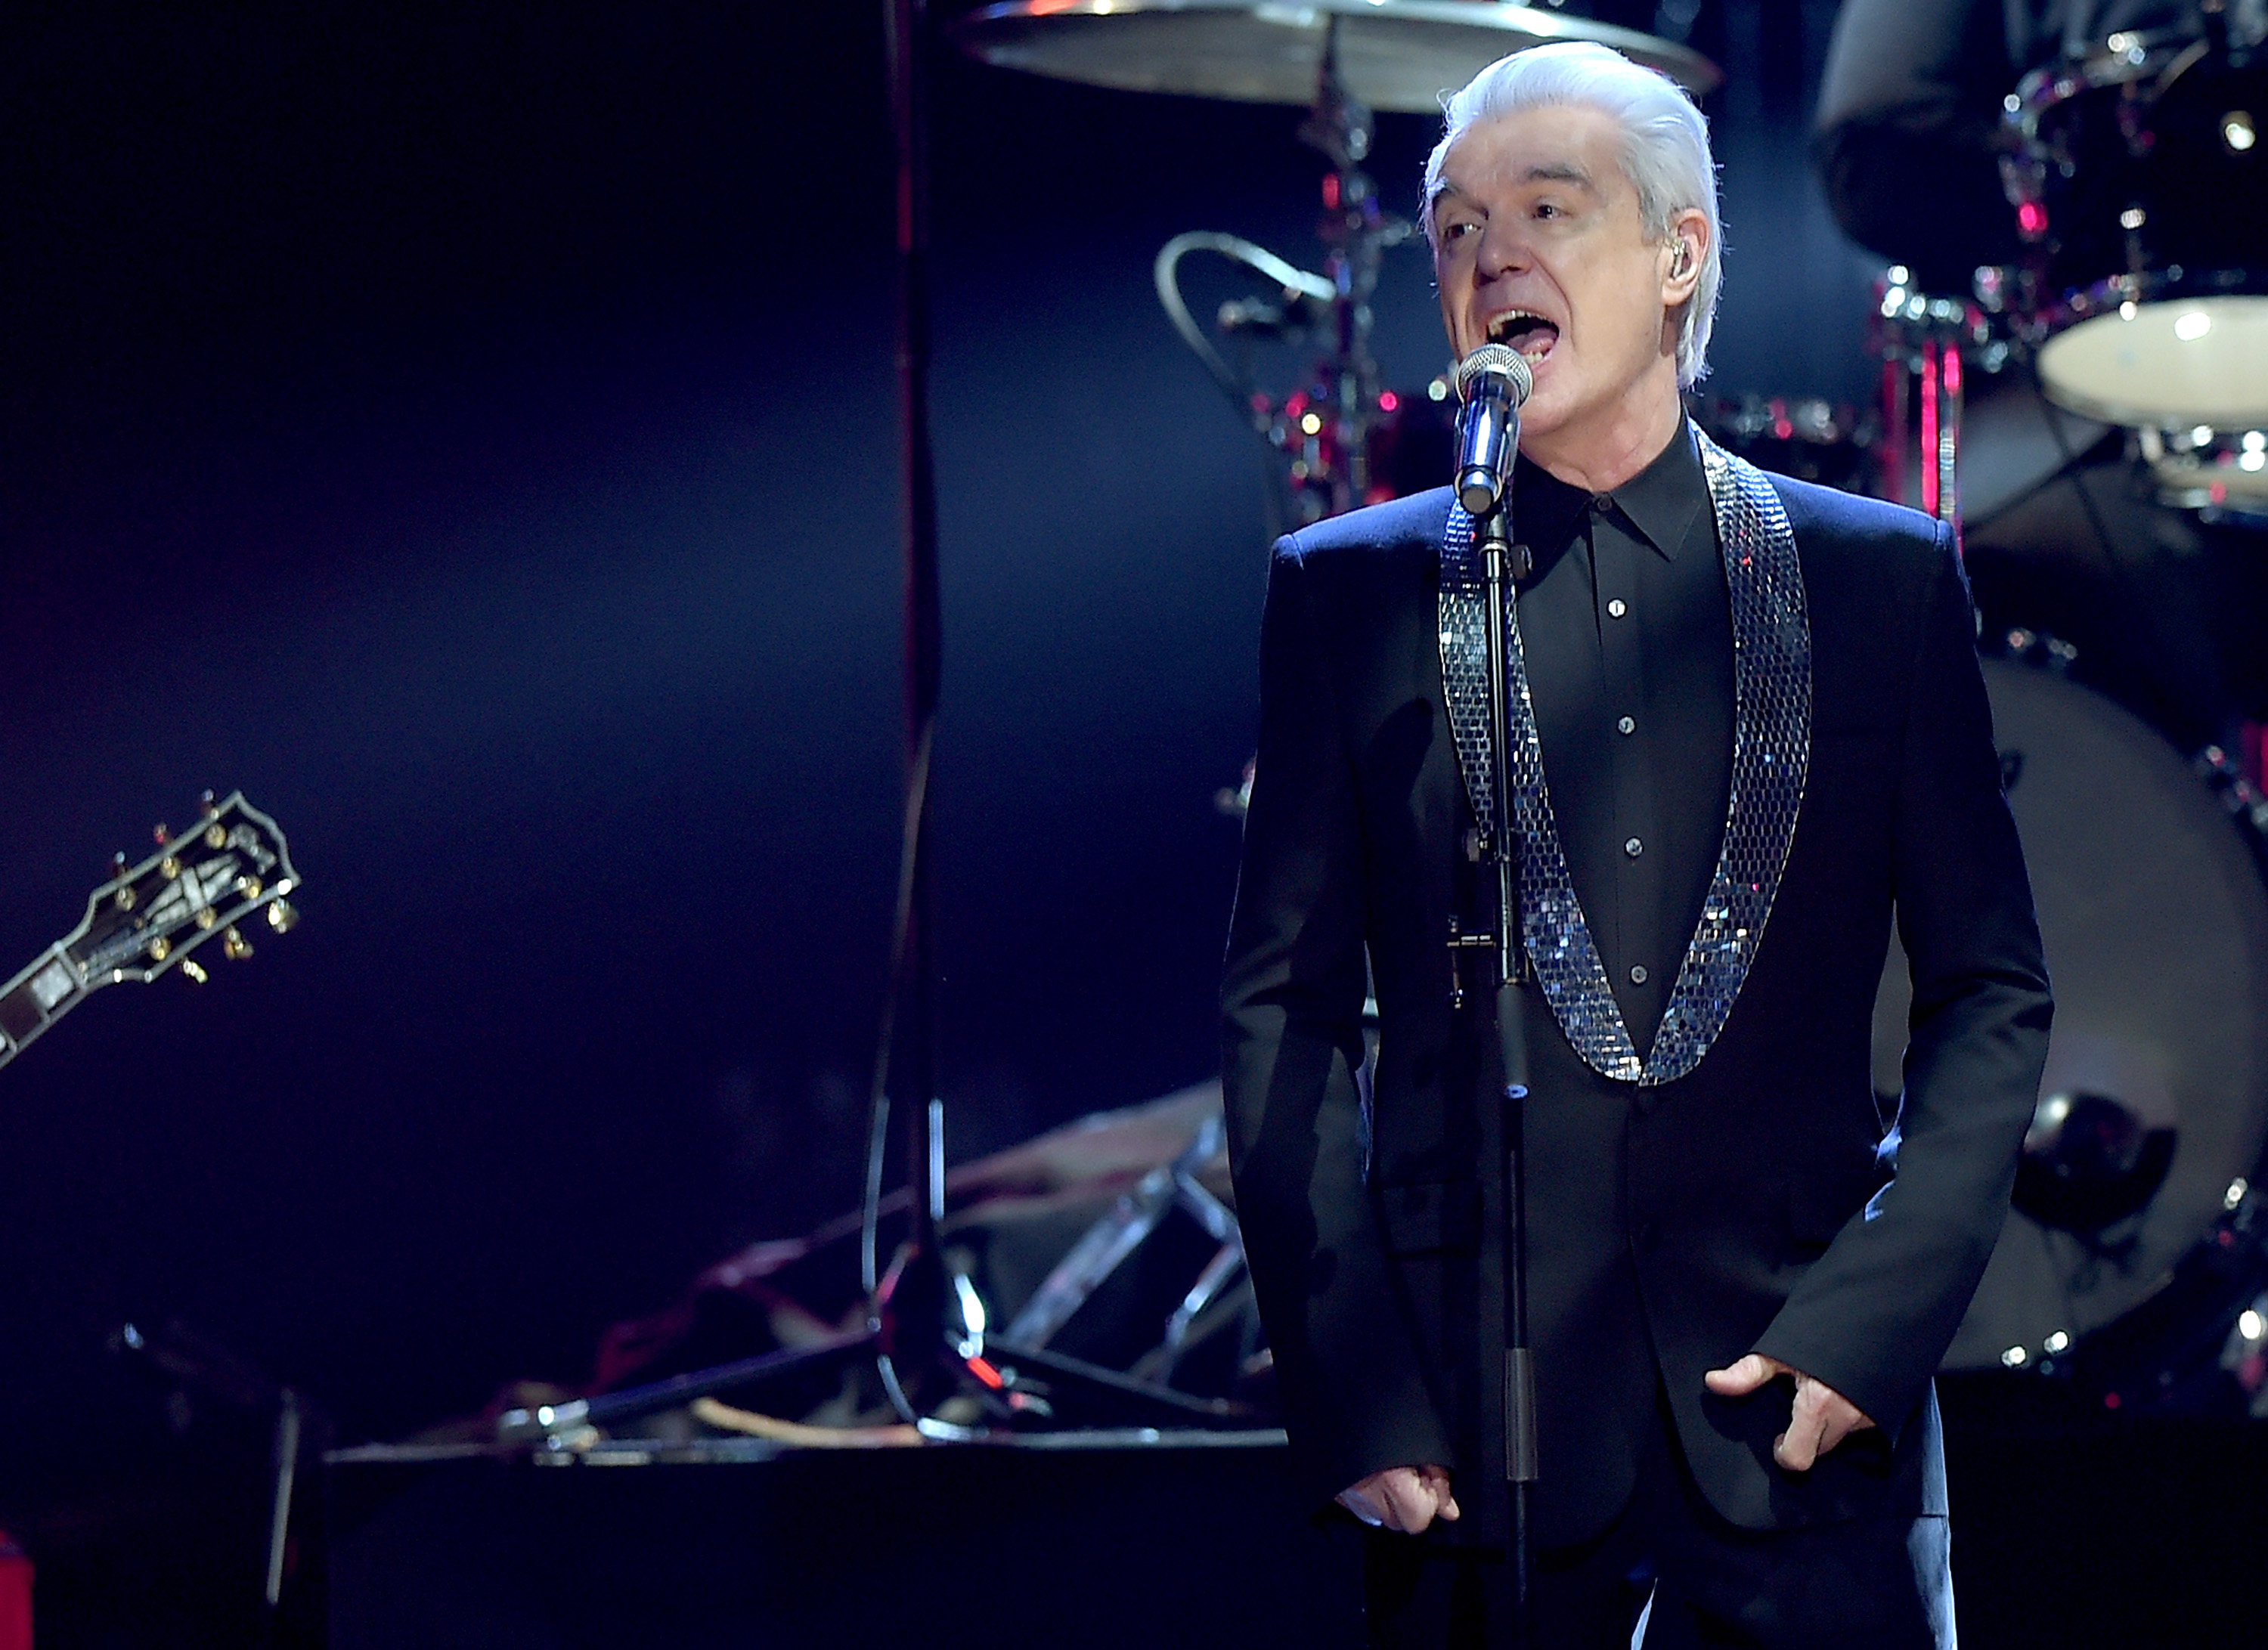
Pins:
<point x="2136" y="176"/>
<point x="2156" y="922"/>
<point x="2137" y="182"/>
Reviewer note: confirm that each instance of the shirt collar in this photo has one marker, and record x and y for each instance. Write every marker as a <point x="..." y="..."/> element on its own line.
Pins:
<point x="1660" y="503"/>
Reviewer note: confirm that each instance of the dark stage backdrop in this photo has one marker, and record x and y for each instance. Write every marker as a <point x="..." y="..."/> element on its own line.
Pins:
<point x="470" y="432"/>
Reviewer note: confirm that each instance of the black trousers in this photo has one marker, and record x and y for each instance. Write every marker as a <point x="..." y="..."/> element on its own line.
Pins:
<point x="1863" y="1584"/>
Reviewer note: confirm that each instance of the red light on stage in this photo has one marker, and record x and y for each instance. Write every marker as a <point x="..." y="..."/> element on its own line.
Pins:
<point x="2109" y="1400"/>
<point x="15" y="1597"/>
<point x="1928" y="398"/>
<point x="1388" y="401"/>
<point x="2031" y="220"/>
<point x="1331" y="190"/>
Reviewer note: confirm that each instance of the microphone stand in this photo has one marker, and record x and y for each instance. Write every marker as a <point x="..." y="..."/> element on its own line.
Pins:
<point x="911" y="1308"/>
<point x="923" y="1349"/>
<point x="1503" y="565"/>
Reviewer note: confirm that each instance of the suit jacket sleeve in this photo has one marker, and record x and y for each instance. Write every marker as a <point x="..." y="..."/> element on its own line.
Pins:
<point x="1874" y="1314"/>
<point x="1347" y="1368"/>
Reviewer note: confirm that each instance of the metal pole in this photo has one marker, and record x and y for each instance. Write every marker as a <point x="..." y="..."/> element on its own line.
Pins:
<point x="279" y="1506"/>
<point x="1502" y="565"/>
<point x="1342" y="128"/>
<point x="912" y="1316"/>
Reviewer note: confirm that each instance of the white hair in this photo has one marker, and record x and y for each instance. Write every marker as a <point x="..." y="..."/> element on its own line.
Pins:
<point x="1665" y="150"/>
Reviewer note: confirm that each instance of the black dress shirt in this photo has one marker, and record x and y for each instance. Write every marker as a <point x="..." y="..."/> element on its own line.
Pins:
<point x="1626" y="630"/>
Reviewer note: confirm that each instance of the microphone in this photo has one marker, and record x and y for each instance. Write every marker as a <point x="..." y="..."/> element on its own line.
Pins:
<point x="1492" y="382"/>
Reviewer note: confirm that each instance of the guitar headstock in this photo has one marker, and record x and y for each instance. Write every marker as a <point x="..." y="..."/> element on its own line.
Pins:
<point x="200" y="885"/>
<point x="149" y="917"/>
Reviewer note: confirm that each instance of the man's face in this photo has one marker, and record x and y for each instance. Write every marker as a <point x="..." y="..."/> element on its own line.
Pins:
<point x="1539" y="245"/>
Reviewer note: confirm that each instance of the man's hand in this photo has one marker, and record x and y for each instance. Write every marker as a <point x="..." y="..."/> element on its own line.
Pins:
<point x="1405" y="1499"/>
<point x="1823" y="1418"/>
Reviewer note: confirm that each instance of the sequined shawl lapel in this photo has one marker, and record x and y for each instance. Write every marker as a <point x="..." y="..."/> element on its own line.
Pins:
<point x="1772" y="752"/>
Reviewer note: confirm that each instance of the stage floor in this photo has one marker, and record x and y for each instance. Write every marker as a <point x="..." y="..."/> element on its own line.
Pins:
<point x="2143" y="1535"/>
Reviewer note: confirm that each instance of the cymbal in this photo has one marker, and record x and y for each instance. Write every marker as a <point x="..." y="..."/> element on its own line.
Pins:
<point x="1393" y="54"/>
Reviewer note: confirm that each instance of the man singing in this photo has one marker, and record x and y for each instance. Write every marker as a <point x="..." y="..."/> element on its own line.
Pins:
<point x="1746" y="728"/>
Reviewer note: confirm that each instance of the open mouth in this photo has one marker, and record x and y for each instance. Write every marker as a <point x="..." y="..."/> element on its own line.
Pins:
<point x="1524" y="331"/>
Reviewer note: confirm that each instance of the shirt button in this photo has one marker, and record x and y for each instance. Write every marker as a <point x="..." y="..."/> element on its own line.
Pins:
<point x="1626" y="725"/>
<point x="1616" y="608"/>
<point x="1633" y="848"/>
<point x="1602" y="503"/>
<point x="1638" y="974"/>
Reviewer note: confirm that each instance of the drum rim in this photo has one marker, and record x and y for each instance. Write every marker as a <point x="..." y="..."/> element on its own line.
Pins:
<point x="2123" y="59"/>
<point x="2147" y="52"/>
<point x="2194" y="475"/>
<point x="2103" y="301"/>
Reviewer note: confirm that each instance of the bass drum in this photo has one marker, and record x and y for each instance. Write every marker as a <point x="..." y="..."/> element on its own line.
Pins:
<point x="2155" y="1103"/>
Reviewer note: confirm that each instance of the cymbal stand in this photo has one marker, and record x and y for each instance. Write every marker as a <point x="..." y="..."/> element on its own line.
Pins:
<point x="1357" y="233"/>
<point x="1925" y="343"/>
<point x="925" y="1331"/>
<point x="1319" y="433"/>
<point x="907" y="1334"/>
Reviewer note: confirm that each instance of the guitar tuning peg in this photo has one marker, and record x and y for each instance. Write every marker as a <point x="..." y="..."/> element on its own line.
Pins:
<point x="206" y="805"/>
<point x="235" y="945"/>
<point x="162" y="834"/>
<point x="118" y="864"/>
<point x="194" y="971"/>
<point x="282" y="918"/>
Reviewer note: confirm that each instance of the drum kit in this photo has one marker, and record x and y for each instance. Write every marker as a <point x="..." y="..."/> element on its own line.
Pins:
<point x="2141" y="301"/>
<point x="1341" y="439"/>
<point x="2140" y="305"/>
<point x="2137" y="1255"/>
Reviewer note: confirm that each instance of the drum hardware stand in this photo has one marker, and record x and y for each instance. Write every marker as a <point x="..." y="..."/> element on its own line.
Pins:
<point x="1111" y="1240"/>
<point x="926" y="1328"/>
<point x="1322" y="437"/>
<point x="290" y="1417"/>
<point x="919" y="1330"/>
<point x="1920" y="340"/>
<point x="301" y="1428"/>
<point x="906" y="1323"/>
<point x="1357" y="234"/>
<point x="910" y="1306"/>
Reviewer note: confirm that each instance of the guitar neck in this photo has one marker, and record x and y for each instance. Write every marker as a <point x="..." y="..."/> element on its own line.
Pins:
<point x="43" y="991"/>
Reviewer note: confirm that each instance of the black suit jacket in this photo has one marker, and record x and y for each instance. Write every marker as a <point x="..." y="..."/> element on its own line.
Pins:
<point x="1673" y="1228"/>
